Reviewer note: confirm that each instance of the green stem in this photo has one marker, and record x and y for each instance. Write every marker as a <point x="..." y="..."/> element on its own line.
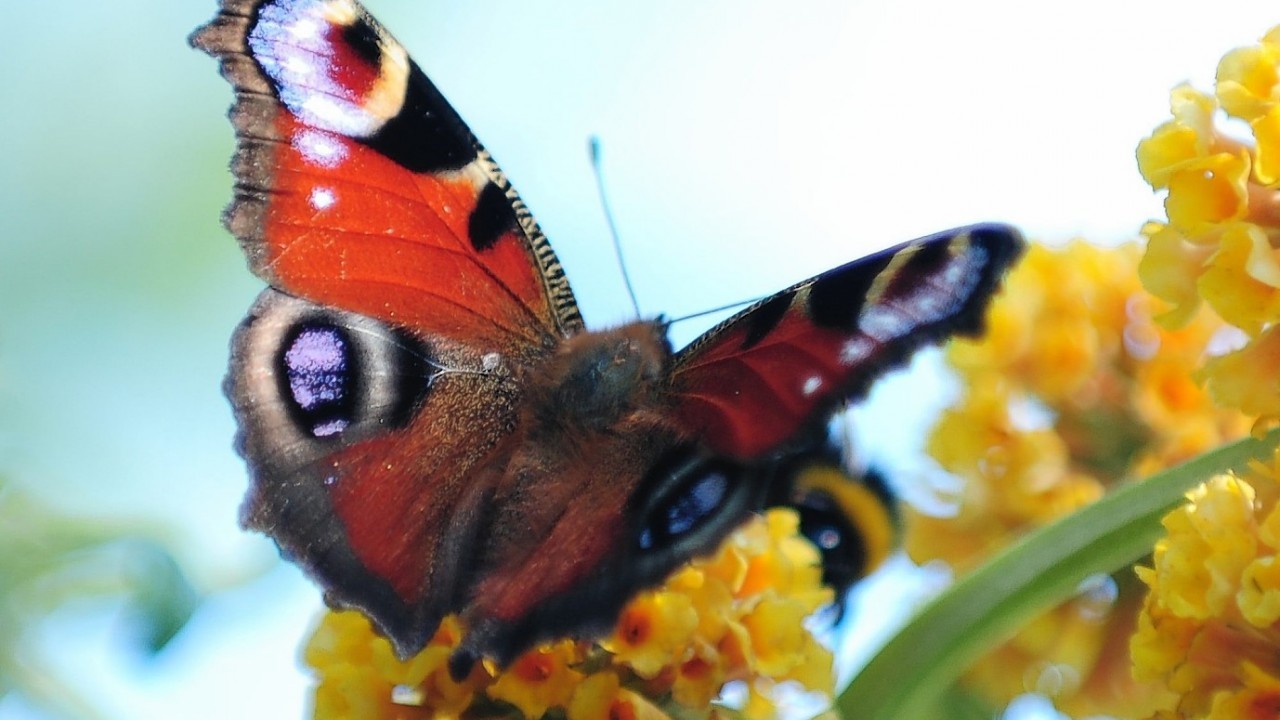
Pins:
<point x="909" y="676"/>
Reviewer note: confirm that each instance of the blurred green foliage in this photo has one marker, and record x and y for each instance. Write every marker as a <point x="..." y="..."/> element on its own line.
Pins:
<point x="53" y="560"/>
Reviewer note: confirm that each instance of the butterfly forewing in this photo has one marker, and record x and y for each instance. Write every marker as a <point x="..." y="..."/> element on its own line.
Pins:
<point x="359" y="187"/>
<point x="768" y="374"/>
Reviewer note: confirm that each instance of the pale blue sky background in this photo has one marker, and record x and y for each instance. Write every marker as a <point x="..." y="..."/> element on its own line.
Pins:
<point x="747" y="145"/>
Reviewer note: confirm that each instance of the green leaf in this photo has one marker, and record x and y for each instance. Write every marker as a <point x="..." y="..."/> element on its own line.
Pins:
<point x="911" y="674"/>
<point x="163" y="598"/>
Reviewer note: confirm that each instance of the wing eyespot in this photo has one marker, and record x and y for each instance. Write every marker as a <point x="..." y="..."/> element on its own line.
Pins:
<point x="306" y="376"/>
<point x="318" y="378"/>
<point x="691" y="494"/>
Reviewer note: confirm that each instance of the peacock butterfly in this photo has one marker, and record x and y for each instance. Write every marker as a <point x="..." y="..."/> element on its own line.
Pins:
<point x="428" y="425"/>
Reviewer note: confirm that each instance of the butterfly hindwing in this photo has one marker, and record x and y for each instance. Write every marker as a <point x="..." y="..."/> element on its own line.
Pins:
<point x="370" y="464"/>
<point x="767" y="375"/>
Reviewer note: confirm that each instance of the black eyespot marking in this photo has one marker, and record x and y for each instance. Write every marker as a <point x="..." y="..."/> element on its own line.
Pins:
<point x="765" y="318"/>
<point x="697" y="488"/>
<point x="363" y="41"/>
<point x="491" y="218"/>
<point x="316" y="369"/>
<point x="426" y="136"/>
<point x="837" y="296"/>
<point x="699" y="500"/>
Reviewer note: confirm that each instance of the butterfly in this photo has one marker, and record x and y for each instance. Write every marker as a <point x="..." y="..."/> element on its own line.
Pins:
<point x="429" y="427"/>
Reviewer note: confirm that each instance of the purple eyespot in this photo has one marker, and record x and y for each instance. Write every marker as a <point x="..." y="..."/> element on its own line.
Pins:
<point x="319" y="374"/>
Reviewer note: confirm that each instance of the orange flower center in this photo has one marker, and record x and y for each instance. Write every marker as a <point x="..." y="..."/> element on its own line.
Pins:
<point x="1265" y="707"/>
<point x="637" y="628"/>
<point x="534" y="667"/>
<point x="619" y="710"/>
<point x="697" y="668"/>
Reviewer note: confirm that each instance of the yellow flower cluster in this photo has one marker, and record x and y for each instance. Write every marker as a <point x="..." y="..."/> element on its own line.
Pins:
<point x="1209" y="627"/>
<point x="1220" y="243"/>
<point x="735" y="616"/>
<point x="1072" y="389"/>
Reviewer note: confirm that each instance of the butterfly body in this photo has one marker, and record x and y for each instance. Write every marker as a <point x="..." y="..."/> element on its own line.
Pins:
<point x="430" y="428"/>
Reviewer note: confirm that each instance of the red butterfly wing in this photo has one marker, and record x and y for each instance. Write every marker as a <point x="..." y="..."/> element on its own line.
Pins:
<point x="761" y="378"/>
<point x="371" y="466"/>
<point x="376" y="382"/>
<point x="359" y="187"/>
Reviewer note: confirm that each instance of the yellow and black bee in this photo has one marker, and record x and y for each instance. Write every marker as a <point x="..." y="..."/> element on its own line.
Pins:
<point x="850" y="515"/>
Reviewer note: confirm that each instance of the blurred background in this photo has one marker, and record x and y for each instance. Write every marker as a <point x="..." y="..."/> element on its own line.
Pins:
<point x="746" y="145"/>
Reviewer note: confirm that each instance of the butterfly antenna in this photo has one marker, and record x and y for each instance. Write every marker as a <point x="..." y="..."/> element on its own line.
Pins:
<point x="713" y="310"/>
<point x="593" y="144"/>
